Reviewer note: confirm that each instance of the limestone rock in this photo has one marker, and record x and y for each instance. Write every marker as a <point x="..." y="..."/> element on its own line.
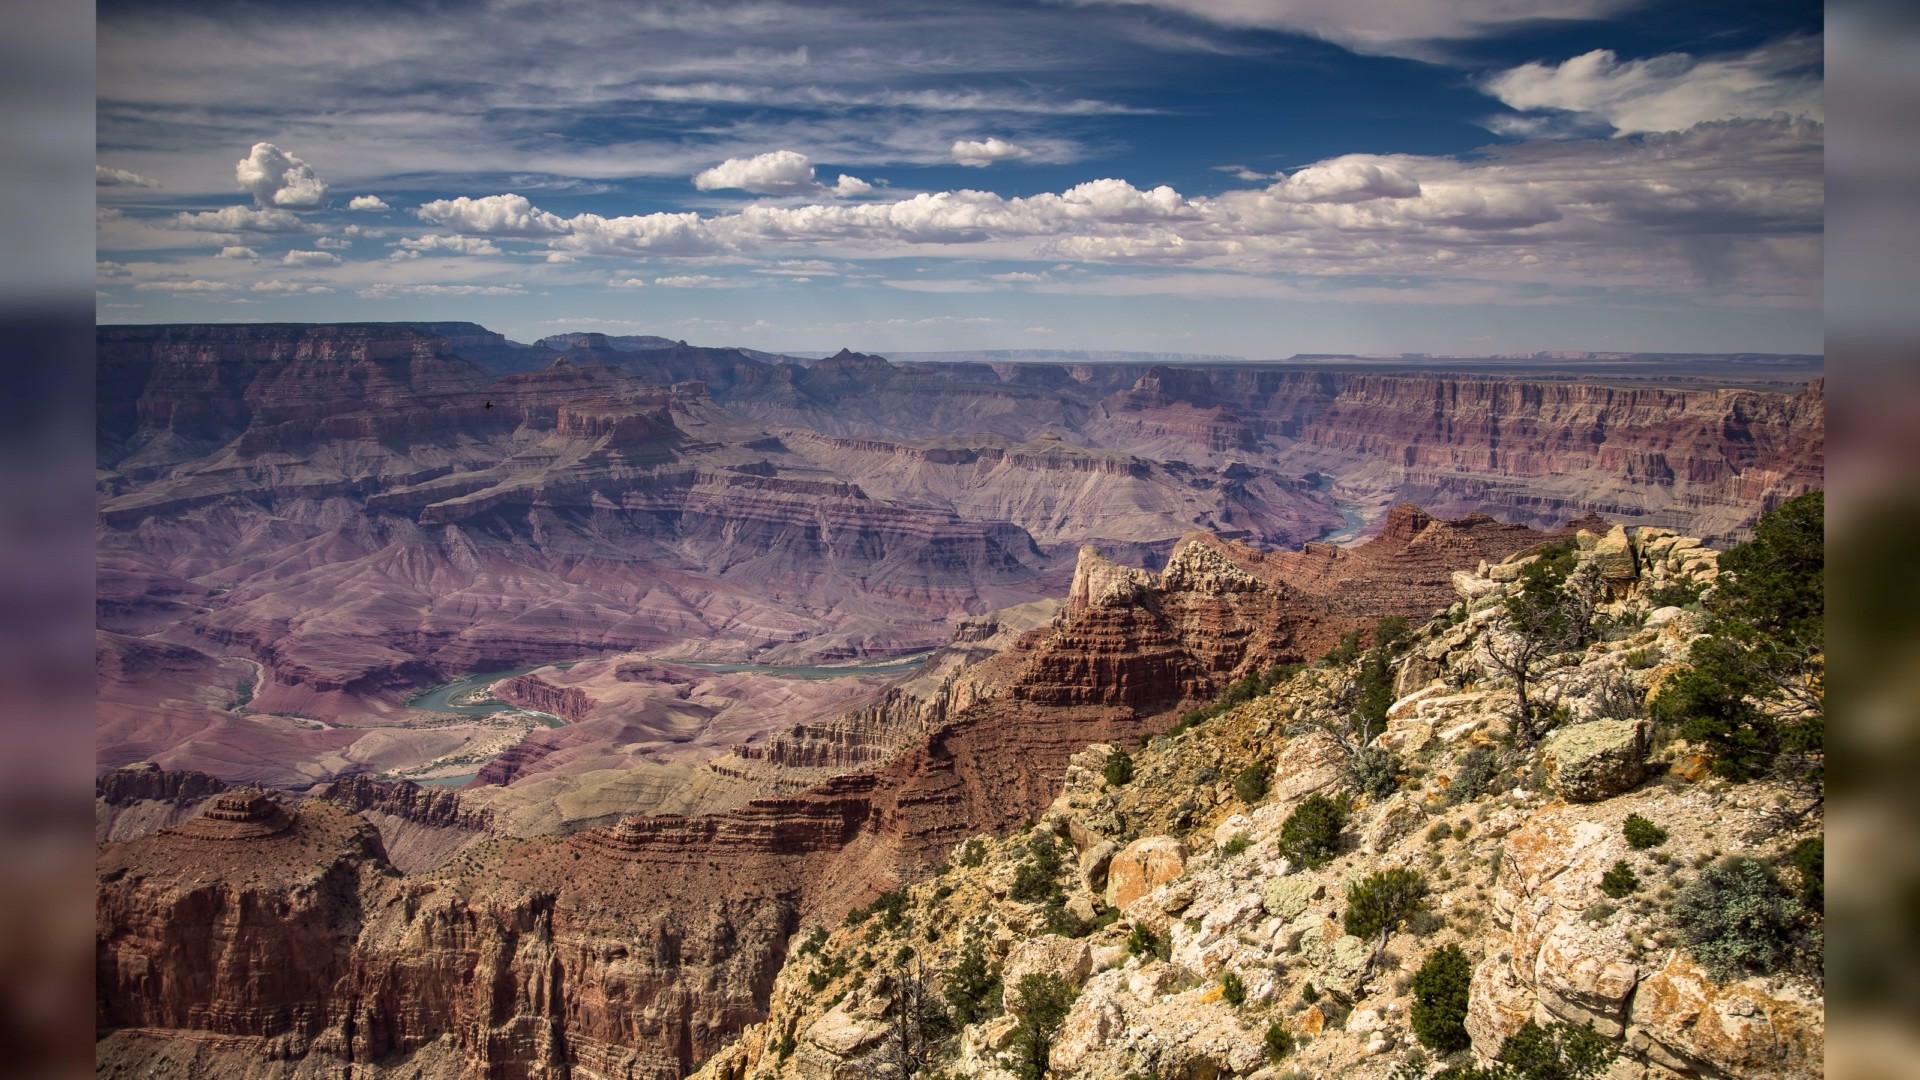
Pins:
<point x="1684" y="1020"/>
<point x="842" y="1034"/>
<point x="1141" y="866"/>
<point x="1052" y="954"/>
<point x="1287" y="898"/>
<point x="1613" y="556"/>
<point x="1593" y="761"/>
<point x="1094" y="863"/>
<point x="1498" y="1004"/>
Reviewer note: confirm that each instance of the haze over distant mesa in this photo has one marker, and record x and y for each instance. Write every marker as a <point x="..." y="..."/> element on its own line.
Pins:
<point x="1368" y="178"/>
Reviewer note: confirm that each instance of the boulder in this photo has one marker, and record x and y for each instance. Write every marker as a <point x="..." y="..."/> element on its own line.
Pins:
<point x="842" y="1034"/>
<point x="1051" y="954"/>
<point x="1683" y="1020"/>
<point x="1596" y="760"/>
<point x="1141" y="866"/>
<point x="1094" y="863"/>
<point x="1498" y="1004"/>
<point x="1287" y="898"/>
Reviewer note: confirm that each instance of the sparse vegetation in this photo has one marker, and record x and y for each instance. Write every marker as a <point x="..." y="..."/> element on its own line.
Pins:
<point x="1236" y="844"/>
<point x="1475" y="770"/>
<point x="1642" y="833"/>
<point x="1439" y="1012"/>
<point x="1143" y="942"/>
<point x="1279" y="1042"/>
<point x="1311" y="834"/>
<point x="1375" y="772"/>
<point x="889" y="908"/>
<point x="1810" y="859"/>
<point x="973" y="852"/>
<point x="1233" y="990"/>
<point x="1550" y="612"/>
<point x="1118" y="771"/>
<point x="1035" y="879"/>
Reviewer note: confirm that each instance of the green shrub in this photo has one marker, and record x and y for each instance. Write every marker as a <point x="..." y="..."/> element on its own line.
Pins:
<point x="1642" y="834"/>
<point x="1439" y="1013"/>
<point x="1238" y="843"/>
<point x="889" y="906"/>
<point x="973" y="985"/>
<point x="1556" y="1052"/>
<point x="1041" y="1002"/>
<point x="1677" y="592"/>
<point x="1034" y="879"/>
<point x="1058" y="920"/>
<point x="1142" y="942"/>
<point x="1737" y="919"/>
<point x="1311" y="834"/>
<point x="1309" y="993"/>
<point x="1475" y="771"/>
<point x="1438" y="831"/>
<point x="1118" y="771"/>
<point x="1346" y="651"/>
<point x="1232" y="990"/>
<point x="1279" y="1042"/>
<point x="1620" y="881"/>
<point x="1375" y="771"/>
<point x="814" y="941"/>
<point x="1251" y="784"/>
<point x="973" y="852"/>
<point x="1810" y="859"/>
<point x="1380" y="902"/>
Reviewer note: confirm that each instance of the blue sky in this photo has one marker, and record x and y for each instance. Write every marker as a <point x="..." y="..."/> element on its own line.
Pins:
<point x="1254" y="177"/>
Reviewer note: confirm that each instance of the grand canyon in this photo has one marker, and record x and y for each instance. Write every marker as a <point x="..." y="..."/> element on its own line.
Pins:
<point x="477" y="708"/>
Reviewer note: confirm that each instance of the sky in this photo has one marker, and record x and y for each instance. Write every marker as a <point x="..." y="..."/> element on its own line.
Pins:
<point x="1247" y="177"/>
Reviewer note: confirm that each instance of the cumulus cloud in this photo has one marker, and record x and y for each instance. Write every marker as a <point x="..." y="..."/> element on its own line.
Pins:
<point x="983" y="152"/>
<point x="106" y="177"/>
<point x="1663" y="93"/>
<point x="230" y="219"/>
<point x="277" y="178"/>
<point x="1350" y="179"/>
<point x="453" y="245"/>
<point x="495" y="215"/>
<point x="310" y="258"/>
<point x="334" y="242"/>
<point x="1387" y="27"/>
<point x="237" y="251"/>
<point x="367" y="202"/>
<point x="777" y="172"/>
<point x="627" y="283"/>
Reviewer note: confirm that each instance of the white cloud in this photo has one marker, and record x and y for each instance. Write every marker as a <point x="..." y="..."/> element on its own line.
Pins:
<point x="1021" y="277"/>
<point x="1664" y="93"/>
<point x="386" y="291"/>
<point x="367" y="202"/>
<point x="197" y="285"/>
<point x="361" y="230"/>
<point x="497" y="215"/>
<point x="230" y="219"/>
<point x="453" y="245"/>
<point x="627" y="283"/>
<point x="277" y="178"/>
<point x="310" y="258"/>
<point x="982" y="152"/>
<point x="777" y="172"/>
<point x="107" y="268"/>
<point x="106" y="177"/>
<point x="694" y="281"/>
<point x="278" y="286"/>
<point x="334" y="242"/>
<point x="1349" y="179"/>
<point x="236" y="251"/>
<point x="1387" y="27"/>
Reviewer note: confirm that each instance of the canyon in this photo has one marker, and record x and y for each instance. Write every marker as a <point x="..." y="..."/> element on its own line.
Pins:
<point x="301" y="528"/>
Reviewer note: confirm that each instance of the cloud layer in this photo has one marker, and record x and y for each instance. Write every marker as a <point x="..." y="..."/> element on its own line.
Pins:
<point x="1665" y="93"/>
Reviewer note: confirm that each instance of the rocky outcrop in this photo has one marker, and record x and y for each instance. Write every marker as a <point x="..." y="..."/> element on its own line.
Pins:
<point x="145" y="781"/>
<point x="1593" y="761"/>
<point x="533" y="692"/>
<point x="437" y="807"/>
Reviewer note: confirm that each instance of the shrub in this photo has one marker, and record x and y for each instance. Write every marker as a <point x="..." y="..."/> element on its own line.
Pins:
<point x="1251" y="784"/>
<point x="889" y="906"/>
<point x="1345" y="652"/>
<point x="1619" y="882"/>
<point x="1058" y="920"/>
<point x="1677" y="592"/>
<point x="1309" y="993"/>
<point x="1810" y="859"/>
<point x="1033" y="879"/>
<point x="973" y="852"/>
<point x="1118" y="771"/>
<point x="1738" y="919"/>
<point x="1642" y="834"/>
<point x="1375" y="771"/>
<point x="1557" y="1052"/>
<point x="972" y="986"/>
<point x="1279" y="1042"/>
<point x="1232" y="990"/>
<point x="814" y="941"/>
<point x="1041" y="1002"/>
<point x="1475" y="770"/>
<point x="1311" y="834"/>
<point x="1237" y="844"/>
<point x="1142" y="942"/>
<point x="1439" y="1013"/>
<point x="1378" y="903"/>
<point x="1438" y="831"/>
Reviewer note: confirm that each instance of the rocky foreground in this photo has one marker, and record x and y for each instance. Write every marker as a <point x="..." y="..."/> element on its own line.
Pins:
<point x="1192" y="936"/>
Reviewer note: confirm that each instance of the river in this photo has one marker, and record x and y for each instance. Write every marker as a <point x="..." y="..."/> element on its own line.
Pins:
<point x="1352" y="523"/>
